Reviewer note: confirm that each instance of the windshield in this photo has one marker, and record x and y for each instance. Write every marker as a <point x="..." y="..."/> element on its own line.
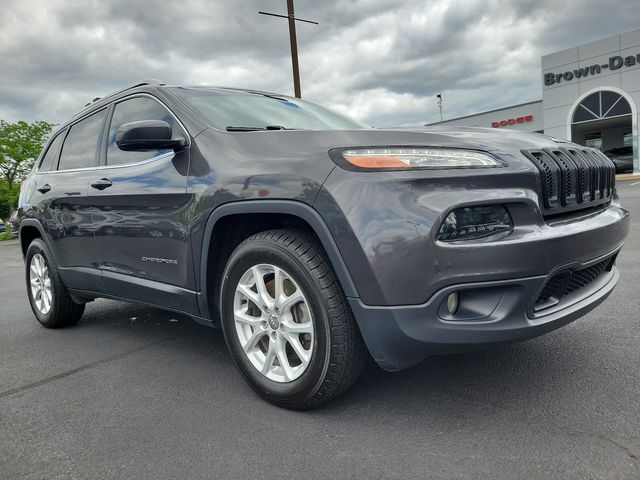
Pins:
<point x="241" y="110"/>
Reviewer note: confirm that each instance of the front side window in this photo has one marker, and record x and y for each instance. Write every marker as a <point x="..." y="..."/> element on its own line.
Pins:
<point x="134" y="110"/>
<point x="80" y="149"/>
<point x="52" y="153"/>
<point x="230" y="109"/>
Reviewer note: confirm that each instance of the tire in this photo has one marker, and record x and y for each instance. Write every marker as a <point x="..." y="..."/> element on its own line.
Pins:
<point x="333" y="353"/>
<point x="60" y="310"/>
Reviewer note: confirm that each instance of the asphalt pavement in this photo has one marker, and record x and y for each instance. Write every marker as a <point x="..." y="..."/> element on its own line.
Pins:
<point x="135" y="392"/>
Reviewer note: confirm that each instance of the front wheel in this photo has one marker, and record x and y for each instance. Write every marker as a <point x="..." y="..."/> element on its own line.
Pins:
<point x="286" y="321"/>
<point x="49" y="298"/>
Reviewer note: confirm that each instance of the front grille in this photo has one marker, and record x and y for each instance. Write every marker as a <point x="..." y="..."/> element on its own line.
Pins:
<point x="573" y="178"/>
<point x="569" y="281"/>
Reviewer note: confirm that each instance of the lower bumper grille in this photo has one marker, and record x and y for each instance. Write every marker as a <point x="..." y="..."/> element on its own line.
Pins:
<point x="570" y="281"/>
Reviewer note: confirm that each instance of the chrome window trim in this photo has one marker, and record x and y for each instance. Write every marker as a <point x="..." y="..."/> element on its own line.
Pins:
<point x="107" y="167"/>
<point x="123" y="165"/>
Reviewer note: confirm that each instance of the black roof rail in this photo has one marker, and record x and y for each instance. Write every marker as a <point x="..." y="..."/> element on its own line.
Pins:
<point x="137" y="84"/>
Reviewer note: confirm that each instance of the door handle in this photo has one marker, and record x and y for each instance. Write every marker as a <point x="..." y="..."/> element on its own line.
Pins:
<point x="102" y="184"/>
<point x="44" y="188"/>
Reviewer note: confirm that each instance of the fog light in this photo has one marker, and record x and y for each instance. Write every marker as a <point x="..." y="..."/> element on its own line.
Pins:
<point x="452" y="303"/>
<point x="470" y="223"/>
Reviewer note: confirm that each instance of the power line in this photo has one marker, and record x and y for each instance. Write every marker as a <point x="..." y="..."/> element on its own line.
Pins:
<point x="293" y="41"/>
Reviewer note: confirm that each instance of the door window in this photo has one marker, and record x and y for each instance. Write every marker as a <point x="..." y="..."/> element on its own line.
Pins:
<point x="52" y="153"/>
<point x="80" y="149"/>
<point x="134" y="110"/>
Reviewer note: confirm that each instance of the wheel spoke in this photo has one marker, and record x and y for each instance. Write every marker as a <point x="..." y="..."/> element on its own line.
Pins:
<point x="283" y="360"/>
<point x="269" y="357"/>
<point x="263" y="295"/>
<point x="293" y="327"/>
<point x="39" y="262"/>
<point x="278" y="281"/>
<point x="294" y="341"/>
<point x="244" y="317"/>
<point x="45" y="302"/>
<point x="255" y="336"/>
<point x="250" y="294"/>
<point x="291" y="300"/>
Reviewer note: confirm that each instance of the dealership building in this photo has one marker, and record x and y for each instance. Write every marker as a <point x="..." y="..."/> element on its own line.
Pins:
<point x="590" y="95"/>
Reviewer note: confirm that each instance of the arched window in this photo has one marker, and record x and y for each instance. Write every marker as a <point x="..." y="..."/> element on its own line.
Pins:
<point x="600" y="105"/>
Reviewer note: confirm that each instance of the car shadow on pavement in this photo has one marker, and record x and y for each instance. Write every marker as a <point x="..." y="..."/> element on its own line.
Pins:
<point x="515" y="374"/>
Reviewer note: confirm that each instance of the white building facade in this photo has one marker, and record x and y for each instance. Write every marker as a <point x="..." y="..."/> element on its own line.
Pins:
<point x="590" y="95"/>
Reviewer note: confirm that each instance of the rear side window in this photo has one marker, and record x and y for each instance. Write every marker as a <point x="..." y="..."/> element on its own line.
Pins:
<point x="80" y="149"/>
<point x="52" y="154"/>
<point x="134" y="110"/>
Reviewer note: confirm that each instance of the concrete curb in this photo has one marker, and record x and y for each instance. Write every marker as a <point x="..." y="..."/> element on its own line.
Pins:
<point x="628" y="176"/>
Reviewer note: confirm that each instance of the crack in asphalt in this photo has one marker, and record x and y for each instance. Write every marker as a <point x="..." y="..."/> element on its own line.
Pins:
<point x="82" y="368"/>
<point x="567" y="429"/>
<point x="538" y="421"/>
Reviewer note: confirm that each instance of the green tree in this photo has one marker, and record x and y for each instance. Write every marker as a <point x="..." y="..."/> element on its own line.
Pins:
<point x="20" y="145"/>
<point x="8" y="198"/>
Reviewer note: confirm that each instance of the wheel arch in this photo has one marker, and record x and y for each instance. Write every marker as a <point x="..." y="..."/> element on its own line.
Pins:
<point x="302" y="212"/>
<point x="29" y="230"/>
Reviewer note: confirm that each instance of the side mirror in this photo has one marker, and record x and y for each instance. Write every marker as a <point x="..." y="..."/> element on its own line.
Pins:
<point x="147" y="135"/>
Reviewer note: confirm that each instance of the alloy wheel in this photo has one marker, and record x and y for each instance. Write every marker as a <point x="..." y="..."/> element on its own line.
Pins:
<point x="273" y="322"/>
<point x="40" y="283"/>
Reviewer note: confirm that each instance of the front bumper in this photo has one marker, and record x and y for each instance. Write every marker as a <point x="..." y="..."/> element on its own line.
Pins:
<point x="400" y="336"/>
<point x="402" y="272"/>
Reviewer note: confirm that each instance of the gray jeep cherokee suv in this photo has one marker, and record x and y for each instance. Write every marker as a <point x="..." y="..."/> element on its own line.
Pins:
<point x="311" y="239"/>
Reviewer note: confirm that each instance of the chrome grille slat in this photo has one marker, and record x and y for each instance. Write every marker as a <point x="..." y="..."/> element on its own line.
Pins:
<point x="573" y="178"/>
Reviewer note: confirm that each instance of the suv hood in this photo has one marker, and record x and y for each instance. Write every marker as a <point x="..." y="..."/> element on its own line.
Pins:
<point x="303" y="143"/>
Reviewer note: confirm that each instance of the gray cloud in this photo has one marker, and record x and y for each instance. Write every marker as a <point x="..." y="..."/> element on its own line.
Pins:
<point x="380" y="60"/>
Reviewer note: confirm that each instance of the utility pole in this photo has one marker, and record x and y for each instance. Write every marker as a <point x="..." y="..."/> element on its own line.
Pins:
<point x="294" y="43"/>
<point x="439" y="97"/>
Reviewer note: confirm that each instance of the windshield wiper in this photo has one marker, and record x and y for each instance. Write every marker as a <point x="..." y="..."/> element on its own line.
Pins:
<point x="268" y="95"/>
<point x="231" y="128"/>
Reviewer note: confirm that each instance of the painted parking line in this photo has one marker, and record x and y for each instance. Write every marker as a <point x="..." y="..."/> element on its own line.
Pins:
<point x="635" y="183"/>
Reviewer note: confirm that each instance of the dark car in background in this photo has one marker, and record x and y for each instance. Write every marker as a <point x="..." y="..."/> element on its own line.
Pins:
<point x="311" y="239"/>
<point x="622" y="158"/>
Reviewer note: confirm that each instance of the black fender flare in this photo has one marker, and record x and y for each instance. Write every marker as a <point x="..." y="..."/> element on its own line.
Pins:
<point x="289" y="207"/>
<point x="32" y="222"/>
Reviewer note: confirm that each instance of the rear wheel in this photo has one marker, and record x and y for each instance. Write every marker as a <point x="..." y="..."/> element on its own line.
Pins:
<point x="286" y="321"/>
<point x="49" y="298"/>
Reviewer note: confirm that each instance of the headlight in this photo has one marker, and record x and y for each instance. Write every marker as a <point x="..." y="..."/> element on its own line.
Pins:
<point x="407" y="158"/>
<point x="469" y="223"/>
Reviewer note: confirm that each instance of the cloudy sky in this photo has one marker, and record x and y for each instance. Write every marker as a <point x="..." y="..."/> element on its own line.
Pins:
<point x="382" y="61"/>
